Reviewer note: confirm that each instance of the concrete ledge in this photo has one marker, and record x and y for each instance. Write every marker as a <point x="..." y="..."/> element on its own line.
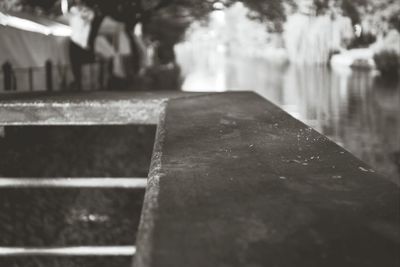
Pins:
<point x="98" y="108"/>
<point x="236" y="181"/>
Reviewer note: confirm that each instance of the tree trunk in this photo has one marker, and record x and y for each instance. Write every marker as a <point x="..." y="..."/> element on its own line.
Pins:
<point x="79" y="56"/>
<point x="136" y="57"/>
<point x="94" y="30"/>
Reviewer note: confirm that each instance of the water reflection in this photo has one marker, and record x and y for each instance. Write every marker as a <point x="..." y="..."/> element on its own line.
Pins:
<point x="354" y="108"/>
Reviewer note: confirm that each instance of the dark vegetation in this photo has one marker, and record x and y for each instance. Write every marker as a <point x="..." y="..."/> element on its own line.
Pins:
<point x="76" y="151"/>
<point x="40" y="217"/>
<point x="69" y="217"/>
<point x="388" y="63"/>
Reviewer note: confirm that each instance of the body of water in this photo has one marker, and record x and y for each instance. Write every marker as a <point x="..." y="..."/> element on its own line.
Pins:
<point x="356" y="109"/>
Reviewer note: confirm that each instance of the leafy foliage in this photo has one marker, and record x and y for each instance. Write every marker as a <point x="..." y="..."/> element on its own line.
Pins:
<point x="377" y="15"/>
<point x="273" y="13"/>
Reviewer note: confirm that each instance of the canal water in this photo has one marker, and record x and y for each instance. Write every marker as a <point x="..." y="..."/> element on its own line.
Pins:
<point x="355" y="108"/>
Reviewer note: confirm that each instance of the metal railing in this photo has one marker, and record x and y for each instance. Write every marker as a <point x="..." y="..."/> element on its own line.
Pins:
<point x="51" y="77"/>
<point x="128" y="183"/>
<point x="69" y="251"/>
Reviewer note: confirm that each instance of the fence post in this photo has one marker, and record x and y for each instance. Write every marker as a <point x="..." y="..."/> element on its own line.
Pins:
<point x="49" y="75"/>
<point x="30" y="74"/>
<point x="110" y="73"/>
<point x="101" y="74"/>
<point x="64" y="79"/>
<point x="10" y="82"/>
<point x="91" y="65"/>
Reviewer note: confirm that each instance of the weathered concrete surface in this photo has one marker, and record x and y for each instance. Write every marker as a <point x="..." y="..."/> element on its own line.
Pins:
<point x="236" y="181"/>
<point x="83" y="108"/>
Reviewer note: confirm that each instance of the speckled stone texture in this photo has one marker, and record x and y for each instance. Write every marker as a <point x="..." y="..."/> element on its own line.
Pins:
<point x="239" y="182"/>
<point x="236" y="181"/>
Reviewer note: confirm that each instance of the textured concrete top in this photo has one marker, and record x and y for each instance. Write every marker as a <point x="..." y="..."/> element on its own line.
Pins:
<point x="236" y="181"/>
<point x="83" y="108"/>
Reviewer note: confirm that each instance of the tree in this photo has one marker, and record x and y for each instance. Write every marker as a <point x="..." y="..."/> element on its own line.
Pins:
<point x="164" y="21"/>
<point x="378" y="15"/>
<point x="12" y="5"/>
<point x="272" y="13"/>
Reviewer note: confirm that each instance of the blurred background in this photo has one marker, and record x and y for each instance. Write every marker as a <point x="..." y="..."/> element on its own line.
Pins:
<point x="333" y="64"/>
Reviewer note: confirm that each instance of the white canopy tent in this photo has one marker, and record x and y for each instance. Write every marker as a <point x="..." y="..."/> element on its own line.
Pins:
<point x="28" y="41"/>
